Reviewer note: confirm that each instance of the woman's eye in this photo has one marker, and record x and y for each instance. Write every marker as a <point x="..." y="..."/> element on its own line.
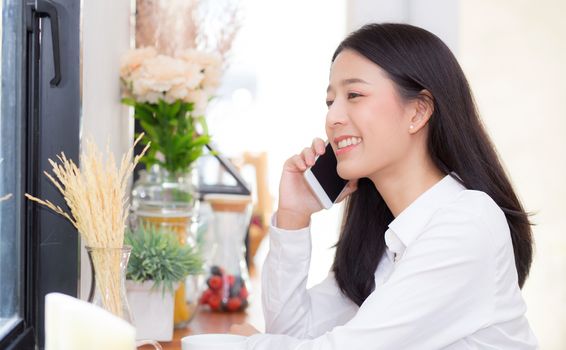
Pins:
<point x="353" y="95"/>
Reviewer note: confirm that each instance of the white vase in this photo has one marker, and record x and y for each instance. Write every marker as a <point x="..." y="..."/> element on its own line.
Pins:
<point x="152" y="311"/>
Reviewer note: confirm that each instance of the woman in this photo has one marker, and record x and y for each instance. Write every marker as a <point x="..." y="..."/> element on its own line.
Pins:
<point x="435" y="244"/>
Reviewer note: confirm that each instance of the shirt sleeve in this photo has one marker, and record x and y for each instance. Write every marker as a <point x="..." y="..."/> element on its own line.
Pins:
<point x="440" y="291"/>
<point x="289" y="308"/>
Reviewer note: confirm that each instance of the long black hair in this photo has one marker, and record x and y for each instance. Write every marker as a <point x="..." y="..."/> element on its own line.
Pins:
<point x="414" y="60"/>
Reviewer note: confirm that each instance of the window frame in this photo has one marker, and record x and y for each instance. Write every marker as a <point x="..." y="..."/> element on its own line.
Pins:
<point x="50" y="118"/>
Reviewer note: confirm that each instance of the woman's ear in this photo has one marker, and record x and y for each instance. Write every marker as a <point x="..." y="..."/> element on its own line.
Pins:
<point x="424" y="107"/>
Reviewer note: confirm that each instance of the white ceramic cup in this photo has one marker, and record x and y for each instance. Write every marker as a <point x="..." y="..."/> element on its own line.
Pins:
<point x="214" y="342"/>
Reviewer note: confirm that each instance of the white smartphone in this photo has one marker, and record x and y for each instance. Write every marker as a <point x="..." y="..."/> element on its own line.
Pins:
<point x="324" y="180"/>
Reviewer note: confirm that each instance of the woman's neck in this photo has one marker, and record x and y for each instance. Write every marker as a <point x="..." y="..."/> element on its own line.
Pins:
<point x="402" y="186"/>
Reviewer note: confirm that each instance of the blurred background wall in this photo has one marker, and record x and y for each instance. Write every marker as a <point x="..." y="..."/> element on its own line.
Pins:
<point x="513" y="53"/>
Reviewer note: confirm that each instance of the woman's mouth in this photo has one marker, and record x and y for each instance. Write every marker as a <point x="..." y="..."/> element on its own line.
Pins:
<point x="346" y="144"/>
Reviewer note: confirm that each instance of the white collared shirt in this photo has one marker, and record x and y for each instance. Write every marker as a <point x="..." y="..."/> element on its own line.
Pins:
<point x="447" y="281"/>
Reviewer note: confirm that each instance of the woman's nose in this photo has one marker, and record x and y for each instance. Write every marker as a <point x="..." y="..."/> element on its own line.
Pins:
<point x="336" y="115"/>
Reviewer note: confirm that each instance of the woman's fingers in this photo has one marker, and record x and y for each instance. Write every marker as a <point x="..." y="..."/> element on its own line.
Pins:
<point x="318" y="146"/>
<point x="308" y="156"/>
<point x="298" y="162"/>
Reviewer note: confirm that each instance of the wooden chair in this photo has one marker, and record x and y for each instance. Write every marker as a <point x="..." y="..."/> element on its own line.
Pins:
<point x="263" y="207"/>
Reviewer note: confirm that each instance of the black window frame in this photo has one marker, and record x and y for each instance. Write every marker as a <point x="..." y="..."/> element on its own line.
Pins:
<point x="50" y="249"/>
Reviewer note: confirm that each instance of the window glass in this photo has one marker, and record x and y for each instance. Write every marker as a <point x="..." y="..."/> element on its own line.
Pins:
<point x="10" y="165"/>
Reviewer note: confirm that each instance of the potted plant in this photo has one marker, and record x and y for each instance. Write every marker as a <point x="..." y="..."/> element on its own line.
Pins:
<point x="158" y="263"/>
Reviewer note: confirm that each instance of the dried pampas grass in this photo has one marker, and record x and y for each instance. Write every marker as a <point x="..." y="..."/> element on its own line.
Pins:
<point x="173" y="26"/>
<point x="96" y="195"/>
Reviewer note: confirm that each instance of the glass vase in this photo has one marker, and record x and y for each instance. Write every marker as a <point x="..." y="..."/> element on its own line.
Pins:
<point x="227" y="280"/>
<point x="108" y="284"/>
<point x="170" y="202"/>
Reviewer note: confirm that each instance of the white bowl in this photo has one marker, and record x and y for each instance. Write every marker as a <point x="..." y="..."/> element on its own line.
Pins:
<point x="214" y="342"/>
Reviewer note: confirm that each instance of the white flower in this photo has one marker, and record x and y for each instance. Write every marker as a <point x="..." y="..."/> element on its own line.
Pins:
<point x="151" y="97"/>
<point x="133" y="59"/>
<point x="165" y="72"/>
<point x="200" y="100"/>
<point x="212" y="79"/>
<point x="191" y="77"/>
<point x="211" y="64"/>
<point x="177" y="92"/>
<point x="143" y="91"/>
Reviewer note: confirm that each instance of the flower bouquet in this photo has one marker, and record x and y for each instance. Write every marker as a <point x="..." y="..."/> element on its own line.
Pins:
<point x="169" y="96"/>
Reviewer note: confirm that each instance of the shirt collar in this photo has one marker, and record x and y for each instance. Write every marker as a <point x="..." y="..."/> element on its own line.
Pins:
<point x="410" y="222"/>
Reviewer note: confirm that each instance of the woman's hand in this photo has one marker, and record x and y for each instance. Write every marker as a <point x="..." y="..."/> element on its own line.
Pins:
<point x="244" y="329"/>
<point x="296" y="200"/>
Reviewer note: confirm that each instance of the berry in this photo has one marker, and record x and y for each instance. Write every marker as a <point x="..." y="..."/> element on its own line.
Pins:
<point x="234" y="304"/>
<point x="214" y="301"/>
<point x="205" y="296"/>
<point x="215" y="282"/>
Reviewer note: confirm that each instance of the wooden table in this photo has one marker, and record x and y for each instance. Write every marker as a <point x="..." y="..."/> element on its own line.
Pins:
<point x="204" y="322"/>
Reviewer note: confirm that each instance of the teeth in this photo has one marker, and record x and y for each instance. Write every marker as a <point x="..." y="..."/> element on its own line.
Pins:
<point x="349" y="141"/>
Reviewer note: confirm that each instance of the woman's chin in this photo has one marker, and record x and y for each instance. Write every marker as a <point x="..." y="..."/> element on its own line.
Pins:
<point x="347" y="172"/>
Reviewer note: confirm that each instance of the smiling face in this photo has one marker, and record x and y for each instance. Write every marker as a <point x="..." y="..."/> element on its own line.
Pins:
<point x="367" y="122"/>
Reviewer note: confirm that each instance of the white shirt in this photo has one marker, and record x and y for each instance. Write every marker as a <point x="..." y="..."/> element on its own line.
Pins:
<point x="447" y="281"/>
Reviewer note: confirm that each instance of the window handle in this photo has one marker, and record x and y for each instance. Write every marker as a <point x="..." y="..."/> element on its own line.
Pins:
<point x="46" y="8"/>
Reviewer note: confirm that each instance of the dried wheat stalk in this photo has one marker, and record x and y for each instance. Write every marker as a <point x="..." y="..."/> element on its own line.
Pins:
<point x="96" y="195"/>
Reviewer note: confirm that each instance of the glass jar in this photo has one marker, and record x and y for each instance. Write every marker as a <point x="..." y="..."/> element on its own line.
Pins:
<point x="162" y="195"/>
<point x="170" y="201"/>
<point x="227" y="280"/>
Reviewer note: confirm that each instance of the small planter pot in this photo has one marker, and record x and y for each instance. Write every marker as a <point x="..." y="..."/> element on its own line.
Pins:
<point x="152" y="311"/>
<point x="169" y="201"/>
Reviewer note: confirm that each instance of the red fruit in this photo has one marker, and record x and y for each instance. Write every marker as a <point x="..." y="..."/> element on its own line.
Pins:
<point x="205" y="296"/>
<point x="215" y="282"/>
<point x="214" y="301"/>
<point x="244" y="292"/>
<point x="231" y="280"/>
<point x="234" y="304"/>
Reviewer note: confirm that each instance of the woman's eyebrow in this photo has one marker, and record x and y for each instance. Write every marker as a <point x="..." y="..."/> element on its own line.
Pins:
<point x="347" y="82"/>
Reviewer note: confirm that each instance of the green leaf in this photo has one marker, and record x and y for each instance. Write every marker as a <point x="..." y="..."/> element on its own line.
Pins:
<point x="150" y="130"/>
<point x="175" y="108"/>
<point x="129" y="101"/>
<point x="171" y="129"/>
<point x="157" y="255"/>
